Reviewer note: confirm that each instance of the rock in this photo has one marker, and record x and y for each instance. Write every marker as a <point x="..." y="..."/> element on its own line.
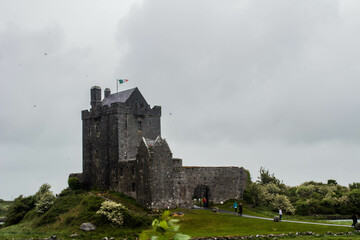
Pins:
<point x="215" y="209"/>
<point x="105" y="238"/>
<point x="87" y="227"/>
<point x="276" y="219"/>
<point x="74" y="235"/>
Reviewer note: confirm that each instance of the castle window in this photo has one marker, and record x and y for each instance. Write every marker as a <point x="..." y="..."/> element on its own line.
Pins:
<point x="139" y="125"/>
<point x="133" y="187"/>
<point x="133" y="170"/>
<point x="121" y="171"/>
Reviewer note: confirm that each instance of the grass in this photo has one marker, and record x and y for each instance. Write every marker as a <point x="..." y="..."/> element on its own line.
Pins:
<point x="204" y="223"/>
<point x="263" y="211"/>
<point x="75" y="207"/>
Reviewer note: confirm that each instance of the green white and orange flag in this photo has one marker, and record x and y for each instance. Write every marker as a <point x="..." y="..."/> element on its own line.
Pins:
<point x="122" y="80"/>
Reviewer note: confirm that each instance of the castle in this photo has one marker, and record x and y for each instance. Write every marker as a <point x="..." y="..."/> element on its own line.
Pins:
<point x="123" y="151"/>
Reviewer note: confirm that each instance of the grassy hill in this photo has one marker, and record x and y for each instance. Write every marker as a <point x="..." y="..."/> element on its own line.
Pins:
<point x="71" y="209"/>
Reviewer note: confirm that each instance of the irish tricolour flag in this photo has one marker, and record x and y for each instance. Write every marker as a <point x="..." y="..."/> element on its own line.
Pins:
<point x="122" y="80"/>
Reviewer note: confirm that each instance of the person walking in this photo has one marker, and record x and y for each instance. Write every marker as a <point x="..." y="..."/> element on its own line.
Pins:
<point x="235" y="206"/>
<point x="240" y="209"/>
<point x="280" y="214"/>
<point x="354" y="218"/>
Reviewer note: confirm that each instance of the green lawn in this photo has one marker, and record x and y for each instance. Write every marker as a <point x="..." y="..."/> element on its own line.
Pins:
<point x="204" y="223"/>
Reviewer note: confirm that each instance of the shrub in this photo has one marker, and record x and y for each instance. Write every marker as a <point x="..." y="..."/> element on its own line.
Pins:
<point x="44" y="202"/>
<point x="165" y="228"/>
<point x="18" y="209"/>
<point x="113" y="212"/>
<point x="282" y="202"/>
<point x="44" y="199"/>
<point x="74" y="183"/>
<point x="355" y="185"/>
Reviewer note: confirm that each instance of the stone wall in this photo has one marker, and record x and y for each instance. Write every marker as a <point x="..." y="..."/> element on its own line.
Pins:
<point x="215" y="183"/>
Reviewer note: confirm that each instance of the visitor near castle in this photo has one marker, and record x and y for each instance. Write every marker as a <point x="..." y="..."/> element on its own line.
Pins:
<point x="235" y="206"/>
<point x="280" y="214"/>
<point x="240" y="209"/>
<point x="204" y="202"/>
<point x="354" y="218"/>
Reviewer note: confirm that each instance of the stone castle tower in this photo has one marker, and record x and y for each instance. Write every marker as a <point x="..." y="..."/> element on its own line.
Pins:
<point x="123" y="151"/>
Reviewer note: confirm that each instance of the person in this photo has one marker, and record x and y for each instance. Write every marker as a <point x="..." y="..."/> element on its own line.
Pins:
<point x="240" y="209"/>
<point x="280" y="214"/>
<point x="235" y="206"/>
<point x="204" y="202"/>
<point x="354" y="218"/>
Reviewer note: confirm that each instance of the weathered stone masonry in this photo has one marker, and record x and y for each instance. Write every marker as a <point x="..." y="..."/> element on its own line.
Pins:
<point x="123" y="151"/>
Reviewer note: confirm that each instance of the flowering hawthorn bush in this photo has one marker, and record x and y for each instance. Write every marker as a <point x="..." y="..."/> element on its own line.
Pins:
<point x="113" y="211"/>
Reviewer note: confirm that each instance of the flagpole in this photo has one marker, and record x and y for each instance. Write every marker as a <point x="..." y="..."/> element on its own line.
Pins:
<point x="117" y="85"/>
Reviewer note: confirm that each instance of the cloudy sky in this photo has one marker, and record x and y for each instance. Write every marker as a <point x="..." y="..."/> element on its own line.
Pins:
<point x="241" y="83"/>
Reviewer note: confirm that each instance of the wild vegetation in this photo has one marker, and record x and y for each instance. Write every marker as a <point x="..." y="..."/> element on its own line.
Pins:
<point x="309" y="198"/>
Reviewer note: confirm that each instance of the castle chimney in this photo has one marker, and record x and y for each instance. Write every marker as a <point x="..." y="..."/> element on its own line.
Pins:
<point x="107" y="92"/>
<point x="95" y="93"/>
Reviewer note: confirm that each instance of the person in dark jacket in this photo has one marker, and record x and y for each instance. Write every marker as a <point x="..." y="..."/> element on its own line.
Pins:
<point x="240" y="209"/>
<point x="354" y="218"/>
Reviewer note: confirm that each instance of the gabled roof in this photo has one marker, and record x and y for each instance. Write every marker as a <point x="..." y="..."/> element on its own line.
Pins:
<point x="121" y="97"/>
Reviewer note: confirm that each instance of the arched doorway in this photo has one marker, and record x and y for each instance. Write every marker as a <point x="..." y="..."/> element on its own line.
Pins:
<point x="202" y="191"/>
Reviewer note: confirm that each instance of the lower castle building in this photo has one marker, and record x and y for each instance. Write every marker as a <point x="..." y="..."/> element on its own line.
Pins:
<point x="123" y="151"/>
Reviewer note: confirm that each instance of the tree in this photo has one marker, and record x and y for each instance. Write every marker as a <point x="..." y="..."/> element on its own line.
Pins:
<point x="332" y="182"/>
<point x="266" y="177"/>
<point x="18" y="209"/>
<point x="355" y="185"/>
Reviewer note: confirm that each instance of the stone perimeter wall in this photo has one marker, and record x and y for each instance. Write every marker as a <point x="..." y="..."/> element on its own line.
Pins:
<point x="222" y="183"/>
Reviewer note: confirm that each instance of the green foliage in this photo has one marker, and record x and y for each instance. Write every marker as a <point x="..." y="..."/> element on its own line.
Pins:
<point x="18" y="209"/>
<point x="266" y="177"/>
<point x="44" y="199"/>
<point x="332" y="182"/>
<point x="165" y="228"/>
<point x="74" y="183"/>
<point x="282" y="202"/>
<point x="354" y="199"/>
<point x="355" y="185"/>
<point x="62" y="205"/>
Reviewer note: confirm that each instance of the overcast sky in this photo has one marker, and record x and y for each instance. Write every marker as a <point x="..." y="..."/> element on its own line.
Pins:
<point x="241" y="83"/>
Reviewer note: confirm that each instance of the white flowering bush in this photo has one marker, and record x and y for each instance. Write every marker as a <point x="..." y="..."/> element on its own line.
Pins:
<point x="112" y="211"/>
<point x="282" y="202"/>
<point x="44" y="199"/>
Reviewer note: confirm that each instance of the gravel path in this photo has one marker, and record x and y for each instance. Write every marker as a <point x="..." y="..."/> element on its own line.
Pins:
<point x="271" y="219"/>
